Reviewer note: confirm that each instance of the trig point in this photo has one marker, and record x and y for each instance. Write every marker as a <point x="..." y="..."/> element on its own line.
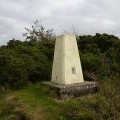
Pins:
<point x="66" y="64"/>
<point x="67" y="76"/>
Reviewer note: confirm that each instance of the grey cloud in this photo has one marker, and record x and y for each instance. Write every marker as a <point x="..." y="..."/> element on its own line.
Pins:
<point x="84" y="16"/>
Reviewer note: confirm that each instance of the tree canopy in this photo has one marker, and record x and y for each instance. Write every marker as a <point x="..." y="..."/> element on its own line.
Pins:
<point x="27" y="61"/>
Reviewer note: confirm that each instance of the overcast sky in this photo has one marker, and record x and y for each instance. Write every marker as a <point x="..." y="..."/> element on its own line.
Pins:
<point x="81" y="16"/>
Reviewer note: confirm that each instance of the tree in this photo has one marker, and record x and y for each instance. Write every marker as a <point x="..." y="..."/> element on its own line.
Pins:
<point x="38" y="33"/>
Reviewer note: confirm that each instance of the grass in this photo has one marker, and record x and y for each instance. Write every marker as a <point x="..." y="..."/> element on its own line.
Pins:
<point x="34" y="95"/>
<point x="33" y="101"/>
<point x="36" y="102"/>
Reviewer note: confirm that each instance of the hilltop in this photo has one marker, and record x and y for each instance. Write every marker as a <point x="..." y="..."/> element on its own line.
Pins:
<point x="25" y="64"/>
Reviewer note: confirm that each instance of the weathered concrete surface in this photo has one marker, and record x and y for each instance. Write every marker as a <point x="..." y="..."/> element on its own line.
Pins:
<point x="74" y="90"/>
<point x="66" y="64"/>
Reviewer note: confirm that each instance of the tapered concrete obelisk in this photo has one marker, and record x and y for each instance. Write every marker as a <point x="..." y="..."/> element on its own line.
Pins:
<point x="66" y="64"/>
<point x="67" y="78"/>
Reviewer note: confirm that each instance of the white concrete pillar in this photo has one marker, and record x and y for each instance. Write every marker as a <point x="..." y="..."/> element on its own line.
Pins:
<point x="66" y="64"/>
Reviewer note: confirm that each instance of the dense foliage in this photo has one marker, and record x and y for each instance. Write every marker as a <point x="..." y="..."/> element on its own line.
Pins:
<point x="100" y="55"/>
<point x="31" y="60"/>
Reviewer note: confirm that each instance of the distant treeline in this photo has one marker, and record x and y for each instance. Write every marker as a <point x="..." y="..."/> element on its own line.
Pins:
<point x="27" y="61"/>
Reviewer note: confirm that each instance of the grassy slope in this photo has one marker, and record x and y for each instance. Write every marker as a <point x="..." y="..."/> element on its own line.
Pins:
<point x="30" y="101"/>
<point x="36" y="102"/>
